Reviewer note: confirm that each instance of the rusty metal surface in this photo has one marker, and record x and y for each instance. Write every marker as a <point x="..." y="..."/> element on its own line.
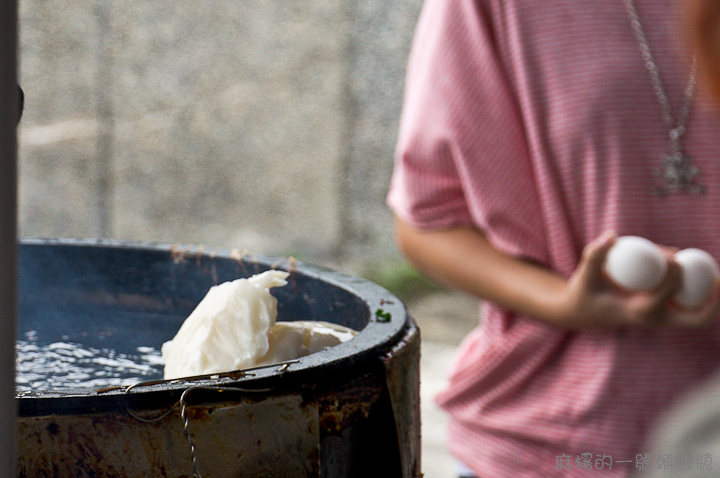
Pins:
<point x="276" y="436"/>
<point x="324" y="430"/>
<point x="402" y="366"/>
<point x="349" y="403"/>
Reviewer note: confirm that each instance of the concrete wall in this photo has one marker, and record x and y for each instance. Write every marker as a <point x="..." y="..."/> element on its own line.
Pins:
<point x="268" y="125"/>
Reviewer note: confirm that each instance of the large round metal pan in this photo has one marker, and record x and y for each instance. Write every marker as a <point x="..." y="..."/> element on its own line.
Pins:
<point x="117" y="295"/>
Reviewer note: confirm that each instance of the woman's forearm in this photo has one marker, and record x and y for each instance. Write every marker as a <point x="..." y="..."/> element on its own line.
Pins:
<point x="462" y="257"/>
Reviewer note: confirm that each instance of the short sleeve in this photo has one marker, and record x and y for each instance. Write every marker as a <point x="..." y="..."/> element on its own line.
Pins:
<point x="462" y="156"/>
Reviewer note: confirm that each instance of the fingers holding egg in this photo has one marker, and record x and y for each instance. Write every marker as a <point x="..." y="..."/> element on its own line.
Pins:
<point x="700" y="273"/>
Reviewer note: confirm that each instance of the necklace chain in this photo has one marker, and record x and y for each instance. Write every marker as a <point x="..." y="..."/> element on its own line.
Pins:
<point x="678" y="172"/>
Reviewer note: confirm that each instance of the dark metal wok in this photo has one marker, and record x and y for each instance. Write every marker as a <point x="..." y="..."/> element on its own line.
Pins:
<point x="349" y="411"/>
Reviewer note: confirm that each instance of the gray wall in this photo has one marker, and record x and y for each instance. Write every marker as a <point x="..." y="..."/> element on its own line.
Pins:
<point x="267" y="125"/>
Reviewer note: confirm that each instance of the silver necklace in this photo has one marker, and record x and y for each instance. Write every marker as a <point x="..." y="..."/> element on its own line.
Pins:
<point x="677" y="173"/>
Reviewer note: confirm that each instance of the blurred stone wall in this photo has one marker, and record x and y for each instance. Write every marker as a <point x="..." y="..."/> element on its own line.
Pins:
<point x="267" y="125"/>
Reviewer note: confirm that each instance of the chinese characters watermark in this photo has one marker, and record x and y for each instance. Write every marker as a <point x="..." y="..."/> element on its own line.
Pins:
<point x="642" y="461"/>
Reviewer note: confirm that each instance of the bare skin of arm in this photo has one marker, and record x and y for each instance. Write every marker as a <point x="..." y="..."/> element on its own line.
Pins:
<point x="463" y="258"/>
<point x="703" y="25"/>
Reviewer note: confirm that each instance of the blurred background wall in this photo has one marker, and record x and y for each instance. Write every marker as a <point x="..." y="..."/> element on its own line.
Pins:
<point x="267" y="125"/>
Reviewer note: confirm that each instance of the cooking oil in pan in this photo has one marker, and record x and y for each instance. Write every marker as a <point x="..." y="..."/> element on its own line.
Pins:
<point x="69" y="365"/>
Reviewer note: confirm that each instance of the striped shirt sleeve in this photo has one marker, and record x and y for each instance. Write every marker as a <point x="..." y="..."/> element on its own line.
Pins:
<point x="462" y="154"/>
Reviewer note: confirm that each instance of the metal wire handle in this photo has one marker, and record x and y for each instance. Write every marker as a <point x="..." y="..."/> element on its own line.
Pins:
<point x="195" y="472"/>
<point x="186" y="430"/>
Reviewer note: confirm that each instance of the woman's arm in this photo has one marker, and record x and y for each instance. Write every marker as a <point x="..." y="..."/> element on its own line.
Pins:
<point x="703" y="19"/>
<point x="463" y="258"/>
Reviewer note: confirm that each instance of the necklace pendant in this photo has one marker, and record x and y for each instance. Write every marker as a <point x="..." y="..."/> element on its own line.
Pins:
<point x="678" y="175"/>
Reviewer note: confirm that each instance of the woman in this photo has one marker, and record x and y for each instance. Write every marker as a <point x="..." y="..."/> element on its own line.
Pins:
<point x="533" y="133"/>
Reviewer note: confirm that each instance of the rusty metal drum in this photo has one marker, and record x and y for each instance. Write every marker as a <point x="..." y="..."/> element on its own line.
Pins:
<point x="349" y="411"/>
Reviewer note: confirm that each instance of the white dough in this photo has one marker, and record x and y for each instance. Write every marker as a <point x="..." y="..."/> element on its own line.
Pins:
<point x="292" y="340"/>
<point x="228" y="330"/>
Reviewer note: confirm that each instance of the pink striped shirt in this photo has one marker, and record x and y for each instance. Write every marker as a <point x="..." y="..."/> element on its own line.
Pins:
<point x="537" y="122"/>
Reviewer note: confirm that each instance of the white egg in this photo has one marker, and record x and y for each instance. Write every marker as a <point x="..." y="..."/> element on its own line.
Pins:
<point x="635" y="264"/>
<point x="699" y="272"/>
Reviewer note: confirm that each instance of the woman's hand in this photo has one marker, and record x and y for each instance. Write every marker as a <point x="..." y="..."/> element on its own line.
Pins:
<point x="590" y="299"/>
